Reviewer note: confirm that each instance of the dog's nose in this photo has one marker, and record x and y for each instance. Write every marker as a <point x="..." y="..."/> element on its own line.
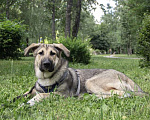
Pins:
<point x="47" y="64"/>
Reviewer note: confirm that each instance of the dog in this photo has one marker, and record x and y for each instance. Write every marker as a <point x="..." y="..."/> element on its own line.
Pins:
<point x="55" y="76"/>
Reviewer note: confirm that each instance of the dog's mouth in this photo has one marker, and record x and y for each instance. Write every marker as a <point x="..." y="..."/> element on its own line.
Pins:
<point x="47" y="66"/>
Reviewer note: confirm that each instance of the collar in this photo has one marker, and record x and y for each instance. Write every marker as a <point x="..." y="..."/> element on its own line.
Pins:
<point x="78" y="85"/>
<point x="48" y="89"/>
<point x="51" y="88"/>
<point x="76" y="78"/>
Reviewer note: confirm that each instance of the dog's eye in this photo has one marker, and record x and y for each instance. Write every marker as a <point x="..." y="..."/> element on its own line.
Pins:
<point x="52" y="53"/>
<point x="41" y="53"/>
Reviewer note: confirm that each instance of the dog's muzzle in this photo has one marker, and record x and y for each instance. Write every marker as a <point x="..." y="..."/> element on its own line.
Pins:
<point x="47" y="65"/>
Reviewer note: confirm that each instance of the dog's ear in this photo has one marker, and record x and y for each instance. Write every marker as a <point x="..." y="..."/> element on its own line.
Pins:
<point x="32" y="47"/>
<point x="62" y="48"/>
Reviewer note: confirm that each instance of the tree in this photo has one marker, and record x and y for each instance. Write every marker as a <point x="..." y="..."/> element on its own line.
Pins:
<point x="144" y="42"/>
<point x="68" y="18"/>
<point x="87" y="26"/>
<point x="130" y="15"/>
<point x="53" y="21"/>
<point x="111" y="29"/>
<point x="5" y="7"/>
<point x="77" y="19"/>
<point x="45" y="17"/>
<point x="99" y="39"/>
<point x="8" y="4"/>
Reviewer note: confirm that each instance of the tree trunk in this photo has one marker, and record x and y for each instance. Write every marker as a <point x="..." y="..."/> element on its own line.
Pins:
<point x="53" y="21"/>
<point x="27" y="42"/>
<point x="129" y="51"/>
<point x="77" y="19"/>
<point x="68" y="18"/>
<point x="129" y="45"/>
<point x="9" y="3"/>
<point x="7" y="9"/>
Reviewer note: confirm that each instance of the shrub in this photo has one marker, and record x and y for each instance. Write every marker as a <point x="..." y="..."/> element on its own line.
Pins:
<point x="79" y="50"/>
<point x="99" y="42"/>
<point x="11" y="34"/>
<point x="143" y="48"/>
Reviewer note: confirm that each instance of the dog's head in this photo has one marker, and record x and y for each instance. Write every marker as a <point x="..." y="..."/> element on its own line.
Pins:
<point x="47" y="56"/>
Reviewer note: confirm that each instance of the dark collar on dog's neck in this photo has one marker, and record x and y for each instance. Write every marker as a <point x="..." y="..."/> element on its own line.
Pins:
<point x="78" y="84"/>
<point x="51" y="88"/>
<point x="47" y="89"/>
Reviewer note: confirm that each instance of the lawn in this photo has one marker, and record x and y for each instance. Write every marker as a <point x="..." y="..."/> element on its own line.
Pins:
<point x="126" y="56"/>
<point x="17" y="77"/>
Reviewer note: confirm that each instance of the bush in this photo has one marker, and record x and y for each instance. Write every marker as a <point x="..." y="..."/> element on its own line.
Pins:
<point x="79" y="50"/>
<point x="11" y="34"/>
<point x="143" y="48"/>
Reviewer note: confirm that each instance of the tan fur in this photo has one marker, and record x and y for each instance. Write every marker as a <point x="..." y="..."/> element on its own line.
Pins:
<point x="110" y="82"/>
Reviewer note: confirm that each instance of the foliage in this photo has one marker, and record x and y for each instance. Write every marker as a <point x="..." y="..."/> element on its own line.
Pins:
<point x="11" y="34"/>
<point x="123" y="24"/>
<point x="79" y="50"/>
<point x="144" y="42"/>
<point x="17" y="77"/>
<point x="37" y="15"/>
<point x="87" y="26"/>
<point x="139" y="7"/>
<point x="99" y="40"/>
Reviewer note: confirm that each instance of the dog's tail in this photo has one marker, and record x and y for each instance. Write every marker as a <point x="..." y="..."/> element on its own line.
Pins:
<point x="136" y="90"/>
<point x="130" y="86"/>
<point x="139" y="93"/>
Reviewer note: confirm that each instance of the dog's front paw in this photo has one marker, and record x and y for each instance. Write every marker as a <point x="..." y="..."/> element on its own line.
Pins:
<point x="31" y="102"/>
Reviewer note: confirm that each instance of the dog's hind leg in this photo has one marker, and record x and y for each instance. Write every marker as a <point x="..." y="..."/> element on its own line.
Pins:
<point x="101" y="92"/>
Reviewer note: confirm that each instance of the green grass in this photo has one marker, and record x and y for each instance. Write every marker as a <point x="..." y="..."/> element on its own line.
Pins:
<point x="122" y="55"/>
<point x="126" y="56"/>
<point x="17" y="77"/>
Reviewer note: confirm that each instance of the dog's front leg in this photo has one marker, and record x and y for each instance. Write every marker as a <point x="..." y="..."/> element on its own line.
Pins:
<point x="38" y="98"/>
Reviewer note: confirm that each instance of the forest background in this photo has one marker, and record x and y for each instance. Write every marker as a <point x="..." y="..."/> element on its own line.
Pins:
<point x="50" y="20"/>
